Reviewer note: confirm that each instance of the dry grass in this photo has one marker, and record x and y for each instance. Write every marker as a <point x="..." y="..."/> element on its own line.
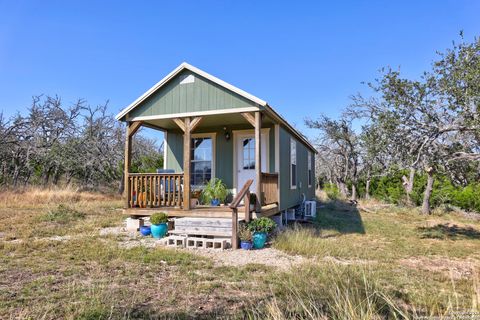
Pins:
<point x="55" y="264"/>
<point x="34" y="197"/>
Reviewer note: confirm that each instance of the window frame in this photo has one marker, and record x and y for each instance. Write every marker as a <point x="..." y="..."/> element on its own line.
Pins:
<point x="213" y="136"/>
<point x="293" y="147"/>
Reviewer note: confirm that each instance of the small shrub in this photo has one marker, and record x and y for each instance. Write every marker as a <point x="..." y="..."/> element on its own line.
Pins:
<point x="332" y="191"/>
<point x="159" y="218"/>
<point x="263" y="224"/>
<point x="244" y="233"/>
<point x="62" y="214"/>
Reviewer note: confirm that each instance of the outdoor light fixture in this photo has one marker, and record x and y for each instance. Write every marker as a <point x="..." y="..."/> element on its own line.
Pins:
<point x="227" y="134"/>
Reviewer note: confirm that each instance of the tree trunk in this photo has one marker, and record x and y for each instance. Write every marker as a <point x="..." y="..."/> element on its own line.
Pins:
<point x="354" y="192"/>
<point x="428" y="192"/>
<point x="343" y="189"/>
<point x="121" y="185"/>
<point x="408" y="185"/>
<point x="367" y="190"/>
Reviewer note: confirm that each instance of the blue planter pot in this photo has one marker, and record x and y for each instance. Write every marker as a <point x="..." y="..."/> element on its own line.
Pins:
<point x="215" y="202"/>
<point x="259" y="239"/>
<point x="246" y="245"/>
<point x="145" y="230"/>
<point x="159" y="230"/>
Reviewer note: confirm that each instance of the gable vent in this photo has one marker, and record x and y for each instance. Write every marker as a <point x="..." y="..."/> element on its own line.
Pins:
<point x="188" y="79"/>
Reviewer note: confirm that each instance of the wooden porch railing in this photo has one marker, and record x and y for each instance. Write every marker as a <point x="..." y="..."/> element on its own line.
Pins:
<point x="152" y="190"/>
<point x="269" y="187"/>
<point x="244" y="194"/>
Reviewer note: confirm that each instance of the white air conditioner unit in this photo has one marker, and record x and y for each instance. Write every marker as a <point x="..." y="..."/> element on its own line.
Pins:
<point x="310" y="209"/>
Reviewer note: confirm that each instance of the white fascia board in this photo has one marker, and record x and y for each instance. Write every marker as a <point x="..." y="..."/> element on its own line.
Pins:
<point x="202" y="73"/>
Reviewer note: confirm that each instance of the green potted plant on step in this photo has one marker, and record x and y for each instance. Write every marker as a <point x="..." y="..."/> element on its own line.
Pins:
<point x="261" y="227"/>
<point x="245" y="236"/>
<point x="159" y="222"/>
<point x="215" y="192"/>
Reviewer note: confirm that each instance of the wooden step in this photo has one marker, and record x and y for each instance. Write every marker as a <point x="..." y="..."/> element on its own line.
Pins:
<point x="203" y="222"/>
<point x="202" y="233"/>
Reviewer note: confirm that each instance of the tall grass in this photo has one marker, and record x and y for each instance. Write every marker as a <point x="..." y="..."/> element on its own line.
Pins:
<point x="328" y="292"/>
<point x="339" y="292"/>
<point x="34" y="196"/>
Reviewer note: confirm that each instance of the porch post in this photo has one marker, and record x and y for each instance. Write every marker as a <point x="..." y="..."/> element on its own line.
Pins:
<point x="132" y="128"/>
<point x="187" y="146"/>
<point x="258" y="160"/>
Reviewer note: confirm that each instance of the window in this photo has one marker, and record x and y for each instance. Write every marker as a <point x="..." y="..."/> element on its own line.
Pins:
<point x="201" y="163"/>
<point x="248" y="153"/>
<point x="293" y="163"/>
<point x="310" y="177"/>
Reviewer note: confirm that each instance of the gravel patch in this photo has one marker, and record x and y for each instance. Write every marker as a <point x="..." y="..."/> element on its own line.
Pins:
<point x="268" y="256"/>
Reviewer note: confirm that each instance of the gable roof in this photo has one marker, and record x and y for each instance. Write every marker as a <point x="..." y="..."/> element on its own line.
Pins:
<point x="240" y="92"/>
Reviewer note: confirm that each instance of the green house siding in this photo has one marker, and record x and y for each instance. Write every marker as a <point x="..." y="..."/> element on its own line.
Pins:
<point x="223" y="151"/>
<point x="199" y="95"/>
<point x="291" y="197"/>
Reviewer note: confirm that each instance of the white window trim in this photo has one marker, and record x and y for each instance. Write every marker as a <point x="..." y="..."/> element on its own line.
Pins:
<point x="213" y="136"/>
<point x="235" y="134"/>
<point x="309" y="169"/>
<point x="293" y="187"/>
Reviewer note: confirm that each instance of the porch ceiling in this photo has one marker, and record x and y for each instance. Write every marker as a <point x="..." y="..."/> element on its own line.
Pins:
<point x="208" y="121"/>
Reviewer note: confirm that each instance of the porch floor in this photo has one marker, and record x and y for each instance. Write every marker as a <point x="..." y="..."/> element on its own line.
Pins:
<point x="201" y="211"/>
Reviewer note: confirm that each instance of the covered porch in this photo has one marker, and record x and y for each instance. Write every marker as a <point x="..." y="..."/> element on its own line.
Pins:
<point x="172" y="189"/>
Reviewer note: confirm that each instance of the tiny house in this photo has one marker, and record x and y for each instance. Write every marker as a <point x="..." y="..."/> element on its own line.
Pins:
<point x="215" y="130"/>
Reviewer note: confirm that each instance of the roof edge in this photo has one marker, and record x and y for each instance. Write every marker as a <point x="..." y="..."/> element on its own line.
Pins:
<point x="198" y="71"/>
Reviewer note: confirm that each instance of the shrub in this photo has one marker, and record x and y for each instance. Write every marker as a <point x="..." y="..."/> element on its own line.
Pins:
<point x="62" y="214"/>
<point x="332" y="191"/>
<point x="263" y="224"/>
<point x="159" y="218"/>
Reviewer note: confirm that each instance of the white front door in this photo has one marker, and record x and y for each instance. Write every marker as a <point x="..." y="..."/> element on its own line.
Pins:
<point x="245" y="153"/>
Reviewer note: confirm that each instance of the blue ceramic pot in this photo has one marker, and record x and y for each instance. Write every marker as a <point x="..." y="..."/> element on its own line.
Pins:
<point x="259" y="239"/>
<point x="215" y="202"/>
<point x="159" y="230"/>
<point x="246" y="245"/>
<point x="145" y="230"/>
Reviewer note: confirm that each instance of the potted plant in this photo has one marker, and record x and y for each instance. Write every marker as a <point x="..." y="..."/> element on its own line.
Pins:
<point x="159" y="226"/>
<point x="245" y="236"/>
<point x="215" y="192"/>
<point x="260" y="228"/>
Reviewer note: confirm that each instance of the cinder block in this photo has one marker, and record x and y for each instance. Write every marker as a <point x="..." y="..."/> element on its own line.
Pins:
<point x="134" y="224"/>
<point x="176" y="241"/>
<point x="219" y="244"/>
<point x="195" y="242"/>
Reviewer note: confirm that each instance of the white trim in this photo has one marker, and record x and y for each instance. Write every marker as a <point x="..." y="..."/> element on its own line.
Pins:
<point x="194" y="114"/>
<point x="202" y="73"/>
<point x="293" y="187"/>
<point x="235" y="133"/>
<point x="213" y="136"/>
<point x="277" y="162"/>
<point x="165" y="146"/>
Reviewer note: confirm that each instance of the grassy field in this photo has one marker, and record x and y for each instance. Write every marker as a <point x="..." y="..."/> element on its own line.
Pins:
<point x="387" y="263"/>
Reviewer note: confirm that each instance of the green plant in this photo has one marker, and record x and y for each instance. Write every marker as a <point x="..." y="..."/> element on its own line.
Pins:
<point x="263" y="224"/>
<point x="332" y="191"/>
<point x="244" y="233"/>
<point x="159" y="218"/>
<point x="215" y="189"/>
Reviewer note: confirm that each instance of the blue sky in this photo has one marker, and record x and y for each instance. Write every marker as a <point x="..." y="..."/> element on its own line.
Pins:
<point x="304" y="58"/>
